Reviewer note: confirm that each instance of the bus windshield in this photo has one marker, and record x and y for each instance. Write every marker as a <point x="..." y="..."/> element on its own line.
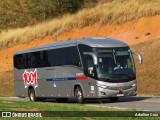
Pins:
<point x="115" y="64"/>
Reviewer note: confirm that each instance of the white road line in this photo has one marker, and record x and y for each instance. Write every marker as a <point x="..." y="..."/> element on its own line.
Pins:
<point x="120" y="108"/>
<point x="109" y="107"/>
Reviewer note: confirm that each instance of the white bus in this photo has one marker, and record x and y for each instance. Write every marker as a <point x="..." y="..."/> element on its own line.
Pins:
<point x="88" y="68"/>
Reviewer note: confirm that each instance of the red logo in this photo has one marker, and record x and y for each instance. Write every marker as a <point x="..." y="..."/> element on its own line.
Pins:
<point x="30" y="78"/>
<point x="120" y="84"/>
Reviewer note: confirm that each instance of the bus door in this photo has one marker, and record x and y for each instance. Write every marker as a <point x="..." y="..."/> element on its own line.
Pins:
<point x="90" y="71"/>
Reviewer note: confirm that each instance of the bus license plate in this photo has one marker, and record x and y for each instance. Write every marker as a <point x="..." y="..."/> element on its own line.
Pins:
<point x="119" y="95"/>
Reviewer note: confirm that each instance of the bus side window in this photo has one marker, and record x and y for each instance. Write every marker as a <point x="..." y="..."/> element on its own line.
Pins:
<point x="76" y="62"/>
<point x="19" y="61"/>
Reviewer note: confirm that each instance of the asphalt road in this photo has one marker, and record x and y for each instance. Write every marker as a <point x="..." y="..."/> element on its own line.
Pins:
<point x="138" y="103"/>
<point x="144" y="103"/>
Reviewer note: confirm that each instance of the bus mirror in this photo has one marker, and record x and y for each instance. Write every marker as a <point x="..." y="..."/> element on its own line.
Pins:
<point x="139" y="56"/>
<point x="93" y="56"/>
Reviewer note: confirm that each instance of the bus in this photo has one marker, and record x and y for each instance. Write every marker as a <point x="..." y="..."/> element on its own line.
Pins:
<point x="87" y="68"/>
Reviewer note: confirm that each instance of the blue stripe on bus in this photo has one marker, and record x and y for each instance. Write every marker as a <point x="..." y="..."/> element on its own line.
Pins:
<point x="61" y="79"/>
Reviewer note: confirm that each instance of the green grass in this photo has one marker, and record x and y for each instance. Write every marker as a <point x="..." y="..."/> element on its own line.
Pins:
<point x="6" y="105"/>
<point x="25" y="106"/>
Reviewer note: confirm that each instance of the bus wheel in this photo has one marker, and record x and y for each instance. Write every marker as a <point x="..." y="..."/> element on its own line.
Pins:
<point x="113" y="99"/>
<point x="32" y="95"/>
<point x="79" y="95"/>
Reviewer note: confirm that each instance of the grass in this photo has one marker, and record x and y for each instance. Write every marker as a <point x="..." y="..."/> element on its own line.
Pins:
<point x="64" y="108"/>
<point x="114" y="11"/>
<point x="6" y="105"/>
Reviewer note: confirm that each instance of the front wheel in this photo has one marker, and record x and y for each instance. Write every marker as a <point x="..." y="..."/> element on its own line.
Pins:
<point x="113" y="99"/>
<point x="79" y="95"/>
<point x="31" y="94"/>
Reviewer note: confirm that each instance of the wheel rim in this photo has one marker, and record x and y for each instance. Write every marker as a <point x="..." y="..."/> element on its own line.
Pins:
<point x="79" y="95"/>
<point x="32" y="96"/>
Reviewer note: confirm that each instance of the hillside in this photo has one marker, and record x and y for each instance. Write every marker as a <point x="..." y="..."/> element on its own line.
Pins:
<point x="134" y="22"/>
<point x="20" y="13"/>
<point x="148" y="74"/>
<point x="110" y="12"/>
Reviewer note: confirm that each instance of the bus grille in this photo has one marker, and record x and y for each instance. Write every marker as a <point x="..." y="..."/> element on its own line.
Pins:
<point x="117" y="88"/>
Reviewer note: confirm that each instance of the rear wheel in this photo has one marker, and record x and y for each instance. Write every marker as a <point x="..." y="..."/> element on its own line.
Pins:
<point x="31" y="94"/>
<point x="113" y="99"/>
<point x="79" y="95"/>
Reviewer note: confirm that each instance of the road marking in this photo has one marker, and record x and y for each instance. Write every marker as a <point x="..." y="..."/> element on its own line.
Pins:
<point x="148" y="101"/>
<point x="109" y="107"/>
<point x="120" y="108"/>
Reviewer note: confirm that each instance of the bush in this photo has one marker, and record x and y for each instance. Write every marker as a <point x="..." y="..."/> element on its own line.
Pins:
<point x="70" y="6"/>
<point x="44" y="9"/>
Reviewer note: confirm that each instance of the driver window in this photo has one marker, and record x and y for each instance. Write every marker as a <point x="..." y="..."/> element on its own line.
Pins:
<point x="90" y="67"/>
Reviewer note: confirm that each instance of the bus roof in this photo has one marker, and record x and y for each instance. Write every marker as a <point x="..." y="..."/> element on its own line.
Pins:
<point x="102" y="42"/>
<point x="92" y="42"/>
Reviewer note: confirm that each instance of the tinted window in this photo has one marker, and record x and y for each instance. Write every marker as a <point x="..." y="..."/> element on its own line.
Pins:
<point x="82" y="49"/>
<point x="48" y="58"/>
<point x="19" y="61"/>
<point x="63" y="56"/>
<point x="36" y="59"/>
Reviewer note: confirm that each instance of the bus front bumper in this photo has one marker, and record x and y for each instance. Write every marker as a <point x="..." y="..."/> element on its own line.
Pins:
<point x="117" y="93"/>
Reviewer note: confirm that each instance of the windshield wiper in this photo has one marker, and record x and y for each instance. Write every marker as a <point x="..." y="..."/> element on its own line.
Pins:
<point x="108" y="78"/>
<point x="114" y="56"/>
<point x="105" y="78"/>
<point x="125" y="75"/>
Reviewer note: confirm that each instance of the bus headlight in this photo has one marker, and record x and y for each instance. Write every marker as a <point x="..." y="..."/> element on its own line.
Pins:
<point x="133" y="85"/>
